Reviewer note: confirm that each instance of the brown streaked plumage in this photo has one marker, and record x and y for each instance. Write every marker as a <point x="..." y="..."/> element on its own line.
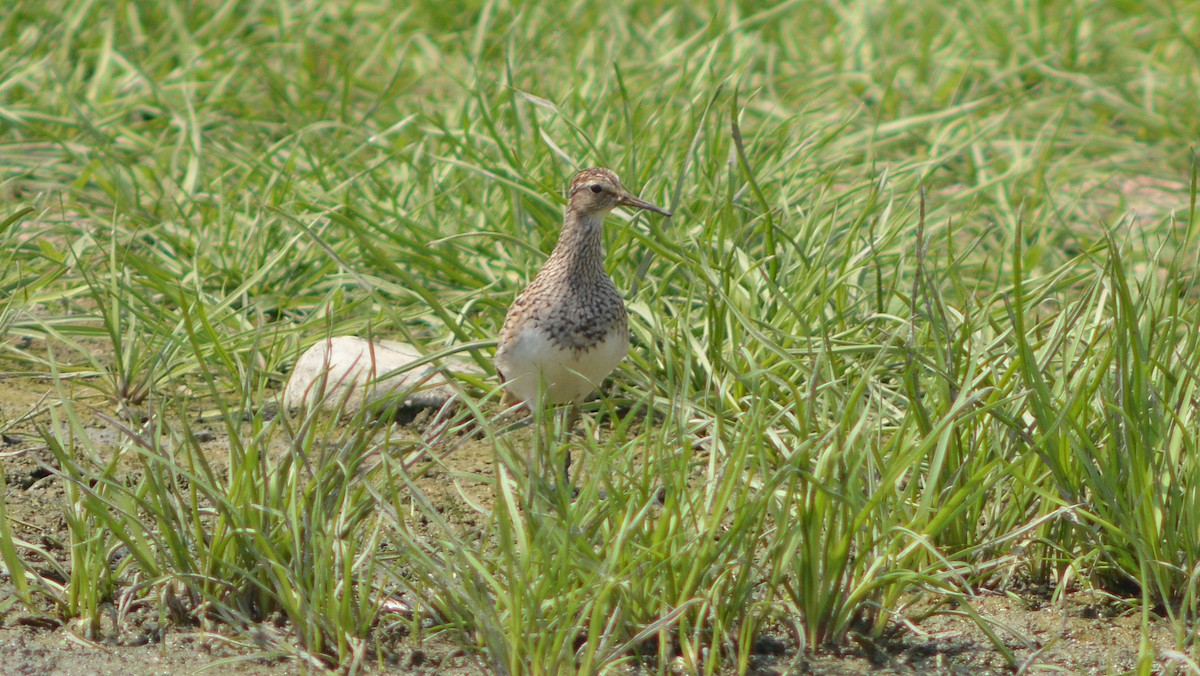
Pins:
<point x="568" y="330"/>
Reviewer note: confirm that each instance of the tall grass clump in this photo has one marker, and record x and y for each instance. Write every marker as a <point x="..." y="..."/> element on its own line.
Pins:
<point x="276" y="528"/>
<point x="1110" y="398"/>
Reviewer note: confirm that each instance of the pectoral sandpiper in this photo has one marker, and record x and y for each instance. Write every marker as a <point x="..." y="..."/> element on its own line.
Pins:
<point x="568" y="330"/>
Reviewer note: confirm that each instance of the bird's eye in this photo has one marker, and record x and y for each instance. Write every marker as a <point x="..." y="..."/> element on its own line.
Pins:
<point x="596" y="189"/>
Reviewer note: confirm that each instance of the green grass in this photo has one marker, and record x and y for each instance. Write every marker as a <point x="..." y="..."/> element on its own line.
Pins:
<point x="925" y="318"/>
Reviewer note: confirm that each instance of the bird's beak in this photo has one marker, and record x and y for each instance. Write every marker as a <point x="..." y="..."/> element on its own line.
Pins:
<point x="628" y="200"/>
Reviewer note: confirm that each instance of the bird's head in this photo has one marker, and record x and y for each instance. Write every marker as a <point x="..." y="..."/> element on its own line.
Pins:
<point x="595" y="192"/>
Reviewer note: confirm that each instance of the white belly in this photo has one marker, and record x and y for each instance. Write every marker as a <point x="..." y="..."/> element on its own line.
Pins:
<point x="531" y="359"/>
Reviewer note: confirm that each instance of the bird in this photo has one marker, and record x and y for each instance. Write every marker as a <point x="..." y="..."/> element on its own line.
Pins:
<point x="568" y="329"/>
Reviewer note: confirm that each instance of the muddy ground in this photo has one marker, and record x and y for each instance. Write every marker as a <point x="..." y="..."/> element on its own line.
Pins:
<point x="1084" y="634"/>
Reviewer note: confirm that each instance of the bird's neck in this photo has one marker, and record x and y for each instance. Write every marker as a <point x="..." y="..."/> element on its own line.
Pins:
<point x="581" y="245"/>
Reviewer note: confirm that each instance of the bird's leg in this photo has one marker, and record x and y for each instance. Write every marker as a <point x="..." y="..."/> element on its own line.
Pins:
<point x="572" y="418"/>
<point x="567" y="468"/>
<point x="568" y="427"/>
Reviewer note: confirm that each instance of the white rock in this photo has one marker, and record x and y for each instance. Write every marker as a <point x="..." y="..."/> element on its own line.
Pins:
<point x="325" y="372"/>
